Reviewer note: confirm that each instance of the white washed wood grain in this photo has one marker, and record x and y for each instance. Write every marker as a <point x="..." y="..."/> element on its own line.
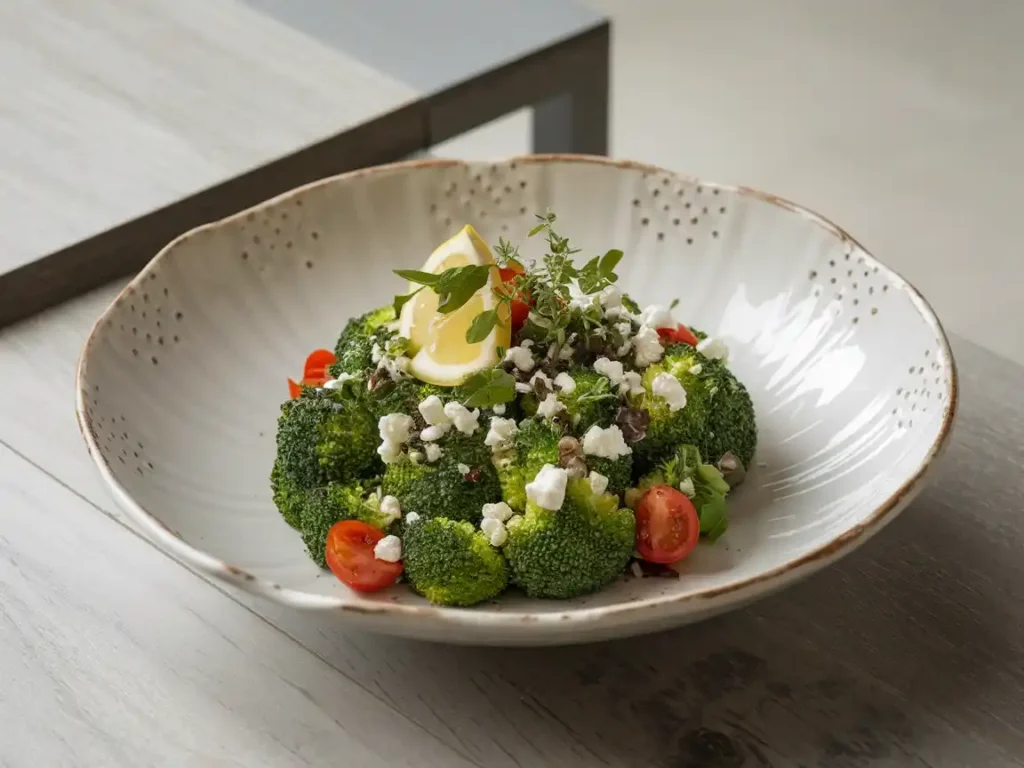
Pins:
<point x="908" y="652"/>
<point x="109" y="110"/>
<point x="113" y="655"/>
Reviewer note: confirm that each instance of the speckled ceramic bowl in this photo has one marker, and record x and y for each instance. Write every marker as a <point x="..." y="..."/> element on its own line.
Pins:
<point x="181" y="380"/>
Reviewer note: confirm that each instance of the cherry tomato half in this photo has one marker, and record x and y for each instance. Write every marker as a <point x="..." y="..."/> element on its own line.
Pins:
<point x="679" y="335"/>
<point x="317" y="363"/>
<point x="667" y="526"/>
<point x="350" y="557"/>
<point x="519" y="307"/>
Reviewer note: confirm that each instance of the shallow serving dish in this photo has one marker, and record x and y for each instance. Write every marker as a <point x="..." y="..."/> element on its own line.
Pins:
<point x="855" y="388"/>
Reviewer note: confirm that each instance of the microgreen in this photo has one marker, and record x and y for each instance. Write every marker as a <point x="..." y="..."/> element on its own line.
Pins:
<point x="489" y="388"/>
<point x="454" y="287"/>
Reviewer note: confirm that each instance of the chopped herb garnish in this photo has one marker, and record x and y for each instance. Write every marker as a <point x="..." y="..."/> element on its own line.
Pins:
<point x="489" y="388"/>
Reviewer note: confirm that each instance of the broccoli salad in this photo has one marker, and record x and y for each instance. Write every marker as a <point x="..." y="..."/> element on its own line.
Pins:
<point x="510" y="424"/>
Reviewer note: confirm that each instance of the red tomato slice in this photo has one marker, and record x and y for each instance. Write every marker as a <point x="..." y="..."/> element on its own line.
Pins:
<point x="350" y="557"/>
<point x="667" y="526"/>
<point x="317" y="363"/>
<point x="679" y="335"/>
<point x="519" y="307"/>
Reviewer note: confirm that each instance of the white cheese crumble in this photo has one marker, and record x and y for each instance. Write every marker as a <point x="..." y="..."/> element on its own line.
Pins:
<point x="388" y="549"/>
<point x="610" y="297"/>
<point x="667" y="387"/>
<point x="416" y="457"/>
<point x="550" y="406"/>
<point x="501" y="434"/>
<point x="606" y="443"/>
<point x="547" y="490"/>
<point x="610" y="368"/>
<point x="565" y="382"/>
<point x="648" y="346"/>
<point x="463" y="469"/>
<point x="376" y="353"/>
<point x="636" y="570"/>
<point x="499" y="511"/>
<point x="566" y="352"/>
<point x="465" y="420"/>
<point x="338" y="382"/>
<point x="657" y="316"/>
<point x="435" y="432"/>
<point x="615" y="313"/>
<point x="499" y="409"/>
<point x="432" y="410"/>
<point x="412" y="517"/>
<point x="632" y="384"/>
<point x="434" y="452"/>
<point x="390" y="507"/>
<point x="713" y="348"/>
<point x="395" y="429"/>
<point x="541" y="376"/>
<point x="389" y="452"/>
<point x="526" y="343"/>
<point x="582" y="303"/>
<point x="598" y="483"/>
<point x="522" y="387"/>
<point x="686" y="486"/>
<point x="495" y="530"/>
<point x="521" y="357"/>
<point x="696" y="369"/>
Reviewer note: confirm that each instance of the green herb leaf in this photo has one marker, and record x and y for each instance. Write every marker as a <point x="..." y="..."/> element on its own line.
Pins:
<point x="712" y="513"/>
<point x="539" y="228"/>
<point x="674" y="304"/>
<point x="482" y="326"/>
<point x="609" y="262"/>
<point x="457" y="286"/>
<point x="400" y="301"/>
<point x="631" y="305"/>
<point x="421" y="278"/>
<point x="489" y="388"/>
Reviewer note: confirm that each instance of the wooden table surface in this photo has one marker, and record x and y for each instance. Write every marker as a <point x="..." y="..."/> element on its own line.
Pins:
<point x="907" y="653"/>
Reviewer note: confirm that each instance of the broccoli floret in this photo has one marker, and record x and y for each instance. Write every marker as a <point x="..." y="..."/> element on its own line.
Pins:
<point x="441" y="489"/>
<point x="577" y="549"/>
<point x="323" y="507"/>
<point x="536" y="444"/>
<point x="592" y="401"/>
<point x="288" y="497"/>
<point x="322" y="436"/>
<point x="405" y="395"/>
<point x="449" y="562"/>
<point x="668" y="429"/>
<point x="703" y="483"/>
<point x="731" y="425"/>
<point x="355" y="345"/>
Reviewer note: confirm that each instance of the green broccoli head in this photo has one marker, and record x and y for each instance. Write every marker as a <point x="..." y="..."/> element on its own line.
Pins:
<point x="449" y="562"/>
<point x="354" y="349"/>
<point x="323" y="507"/>
<point x="442" y="489"/>
<point x="618" y="471"/>
<point x="288" y="496"/>
<point x="731" y="426"/>
<point x="593" y="401"/>
<point x="702" y="483"/>
<point x="405" y="395"/>
<point x="323" y="436"/>
<point x="536" y="444"/>
<point x="577" y="549"/>
<point x="668" y="429"/>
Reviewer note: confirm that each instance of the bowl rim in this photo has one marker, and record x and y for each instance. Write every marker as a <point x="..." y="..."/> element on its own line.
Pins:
<point x="640" y="610"/>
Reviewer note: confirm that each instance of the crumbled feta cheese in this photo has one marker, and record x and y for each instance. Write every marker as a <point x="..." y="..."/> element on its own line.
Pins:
<point x="606" y="443"/>
<point x="550" y="406"/>
<point x="713" y="348"/>
<point x="338" y="382"/>
<point x="432" y="410"/>
<point x="395" y="427"/>
<point x="632" y="384"/>
<point x="521" y="357"/>
<point x="648" y="346"/>
<point x="495" y="530"/>
<point x="657" y="316"/>
<point x="412" y="517"/>
<point x="435" y="432"/>
<point x="565" y="382"/>
<point x="465" y="420"/>
<point x="390" y="507"/>
<point x="389" y="452"/>
<point x="416" y="457"/>
<point x="667" y="387"/>
<point x="566" y="352"/>
<point x="616" y="313"/>
<point x="696" y="369"/>
<point x="582" y="303"/>
<point x="547" y="490"/>
<point x="686" y="486"/>
<point x="526" y="343"/>
<point x="499" y="511"/>
<point x="499" y="409"/>
<point x="610" y="368"/>
<point x="610" y="297"/>
<point x="540" y="376"/>
<point x="376" y="353"/>
<point x="388" y="549"/>
<point x="598" y="483"/>
<point x="624" y="349"/>
<point x="501" y="434"/>
<point x="636" y="570"/>
<point x="522" y="387"/>
<point x="463" y="469"/>
<point x="434" y="452"/>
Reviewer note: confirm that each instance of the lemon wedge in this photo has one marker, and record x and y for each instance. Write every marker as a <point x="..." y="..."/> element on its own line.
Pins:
<point x="442" y="356"/>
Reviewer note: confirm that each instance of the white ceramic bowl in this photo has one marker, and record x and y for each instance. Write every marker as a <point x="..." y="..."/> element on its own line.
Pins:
<point x="181" y="380"/>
